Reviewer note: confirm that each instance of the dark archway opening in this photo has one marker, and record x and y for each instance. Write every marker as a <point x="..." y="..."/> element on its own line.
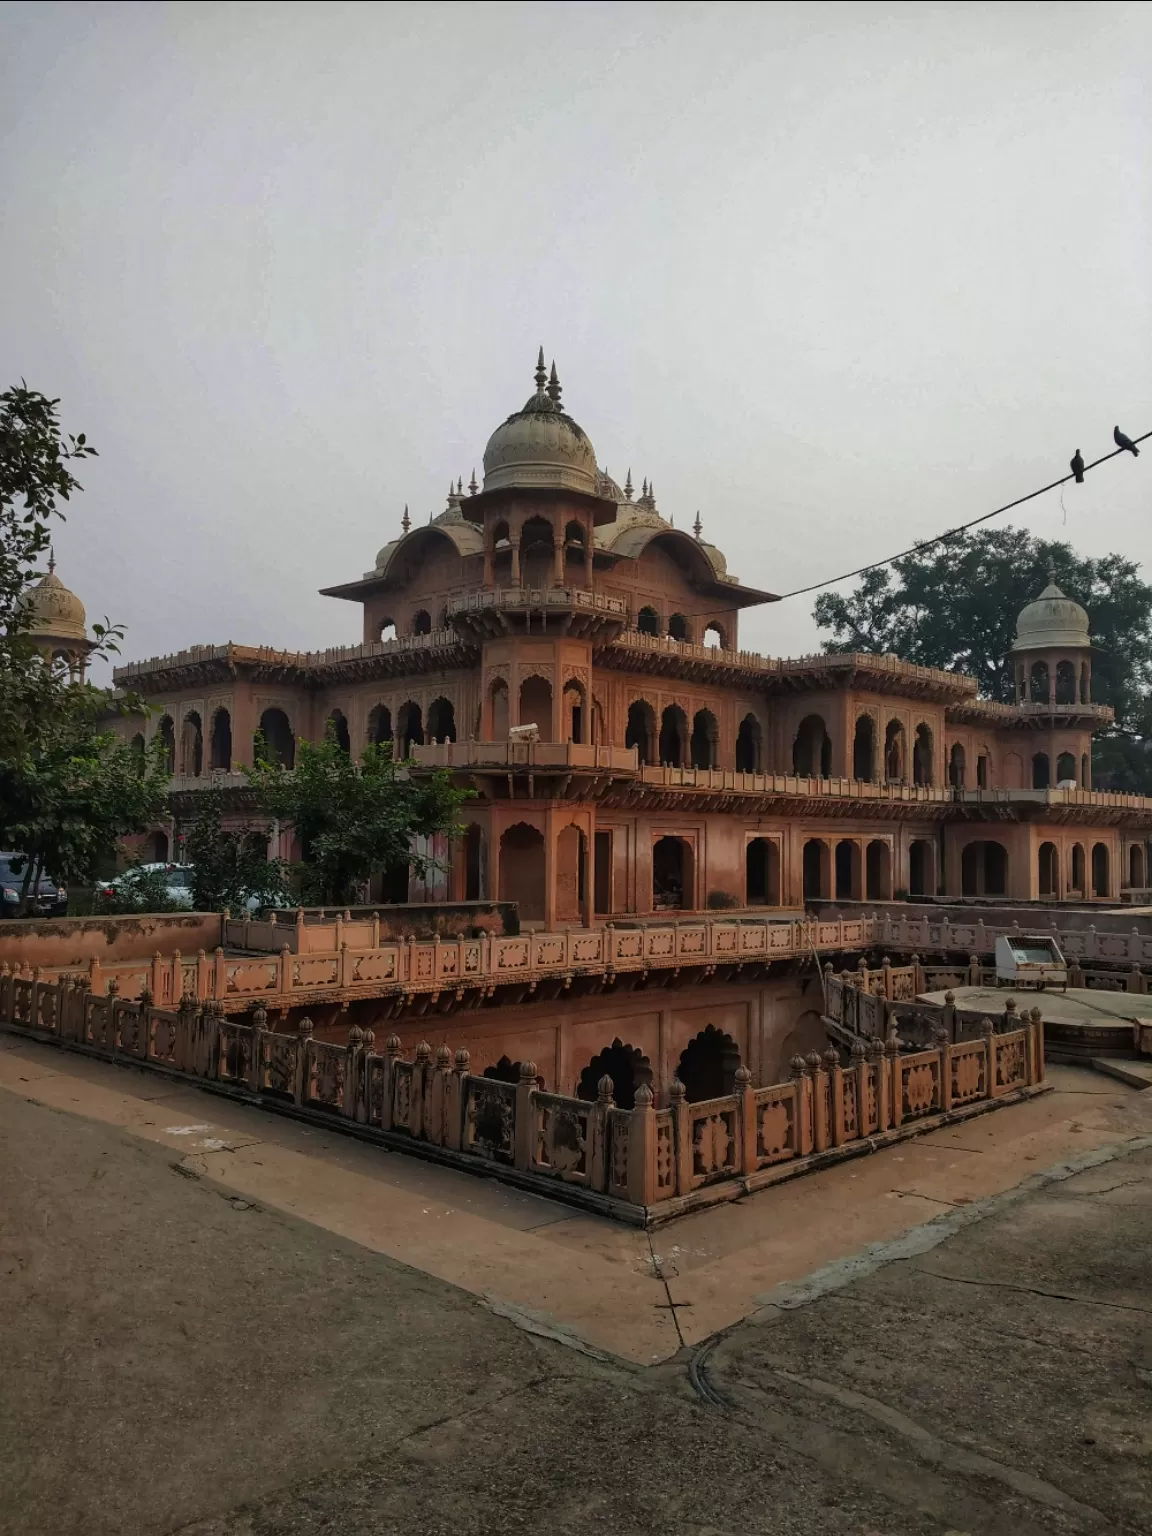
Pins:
<point x="864" y="749"/>
<point x="672" y="876"/>
<point x="279" y="743"/>
<point x="673" y="737"/>
<point x="220" y="748"/>
<point x="749" y="746"/>
<point x="641" y="732"/>
<point x="442" y="720"/>
<point x="625" y="1065"/>
<point x="762" y="873"/>
<point x="708" y="1065"/>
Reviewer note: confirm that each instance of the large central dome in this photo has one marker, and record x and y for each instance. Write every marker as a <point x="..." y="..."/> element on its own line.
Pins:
<point x="541" y="447"/>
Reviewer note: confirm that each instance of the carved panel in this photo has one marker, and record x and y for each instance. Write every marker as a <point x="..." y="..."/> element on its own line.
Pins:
<point x="490" y="1119"/>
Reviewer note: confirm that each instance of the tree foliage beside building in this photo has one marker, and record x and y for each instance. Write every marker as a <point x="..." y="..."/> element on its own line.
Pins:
<point x="955" y="606"/>
<point x="355" y="820"/>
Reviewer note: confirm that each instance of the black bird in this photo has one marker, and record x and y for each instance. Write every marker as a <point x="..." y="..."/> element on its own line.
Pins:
<point x="1122" y="440"/>
<point x="1078" y="467"/>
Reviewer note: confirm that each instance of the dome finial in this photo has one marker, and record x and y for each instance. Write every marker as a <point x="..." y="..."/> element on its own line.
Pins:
<point x="697" y="526"/>
<point x="554" y="386"/>
<point x="541" y="373"/>
<point x="1051" y="571"/>
<point x="628" y="487"/>
<point x="459" y="485"/>
<point x="51" y="559"/>
<point x="405" y="521"/>
<point x="472" y="486"/>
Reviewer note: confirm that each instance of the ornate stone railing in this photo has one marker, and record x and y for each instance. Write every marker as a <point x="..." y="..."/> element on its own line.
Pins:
<point x="729" y="781"/>
<point x="925" y="935"/>
<point x="641" y="1165"/>
<point x="411" y="966"/>
<point x="267" y="655"/>
<point x="536" y="597"/>
<point x="525" y="754"/>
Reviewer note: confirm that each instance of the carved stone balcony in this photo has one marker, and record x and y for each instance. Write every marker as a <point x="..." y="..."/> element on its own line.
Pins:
<point x="520" y="757"/>
<point x="554" y="610"/>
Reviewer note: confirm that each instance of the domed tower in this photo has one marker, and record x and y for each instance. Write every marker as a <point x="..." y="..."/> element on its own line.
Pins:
<point x="542" y="499"/>
<point x="58" y="626"/>
<point x="1052" y="652"/>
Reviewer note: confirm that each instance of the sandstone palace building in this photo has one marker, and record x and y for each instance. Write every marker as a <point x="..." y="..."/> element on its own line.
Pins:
<point x="674" y="771"/>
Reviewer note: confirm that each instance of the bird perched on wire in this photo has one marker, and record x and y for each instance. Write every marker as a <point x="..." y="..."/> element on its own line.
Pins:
<point x="1122" y="440"/>
<point x="1077" y="465"/>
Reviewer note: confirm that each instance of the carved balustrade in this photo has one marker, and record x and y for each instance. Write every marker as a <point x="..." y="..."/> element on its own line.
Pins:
<point x="643" y="1164"/>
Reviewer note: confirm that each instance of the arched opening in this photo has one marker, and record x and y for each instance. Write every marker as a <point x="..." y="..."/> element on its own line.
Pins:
<point x="599" y="739"/>
<point x="570" y="875"/>
<point x="1049" y="870"/>
<point x="575" y="550"/>
<point x="627" y="1068"/>
<point x="641" y="732"/>
<point x="421" y="622"/>
<point x="957" y="766"/>
<point x="864" y="749"/>
<point x="1066" y="771"/>
<point x="982" y="771"/>
<point x="1021" y="683"/>
<point x="220" y="746"/>
<point x="708" y="1065"/>
<point x="1136" y="867"/>
<point x="157" y="847"/>
<point x="848" y="871"/>
<point x="921" y="867"/>
<point x="894" y="756"/>
<point x="749" y="746"/>
<point x="498" y="702"/>
<point x="136" y="747"/>
<point x="679" y="627"/>
<point x="502" y="1071"/>
<point x="409" y="727"/>
<point x="522" y="870"/>
<point x="705" y="739"/>
<point x="602" y="872"/>
<point x="817" y="870"/>
<point x="1085" y="694"/>
<point x="984" y="869"/>
<point x="1077" y="881"/>
<point x="673" y="883"/>
<point x="715" y="636"/>
<point x="441" y="720"/>
<point x="192" y="745"/>
<point x="338" y="727"/>
<point x="1038" y="682"/>
<point x="501" y="555"/>
<point x="379" y="724"/>
<point x="673" y="737"/>
<point x="387" y="630"/>
<point x="922" y="756"/>
<point x="278" y="741"/>
<point x="1085" y="771"/>
<point x="1041" y="771"/>
<point x="575" y="711"/>
<point x="648" y="621"/>
<point x="762" y="872"/>
<point x="812" y="749"/>
<point x="536" y="705"/>
<point x="537" y="553"/>
<point x="473" y="863"/>
<point x="878" y="871"/>
<point x="1101" y="874"/>
<point x="1065" y="683"/>
<point x="166" y="731"/>
<point x="1013" y="769"/>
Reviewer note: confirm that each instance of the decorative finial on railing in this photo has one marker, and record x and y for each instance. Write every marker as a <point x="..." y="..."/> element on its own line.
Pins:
<point x="605" y="1090"/>
<point x="305" y="1028"/>
<point x="462" y="1060"/>
<point x="676" y="1092"/>
<point x="443" y="1057"/>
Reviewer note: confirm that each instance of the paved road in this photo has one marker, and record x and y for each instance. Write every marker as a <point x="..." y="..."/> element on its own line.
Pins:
<point x="178" y="1360"/>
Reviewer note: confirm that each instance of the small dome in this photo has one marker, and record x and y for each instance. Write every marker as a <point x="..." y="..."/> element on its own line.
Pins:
<point x="56" y="612"/>
<point x="541" y="447"/>
<point x="607" y="487"/>
<point x="1052" y="622"/>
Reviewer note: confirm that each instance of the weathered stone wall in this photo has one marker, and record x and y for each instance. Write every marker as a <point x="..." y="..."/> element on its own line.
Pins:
<point x="74" y="941"/>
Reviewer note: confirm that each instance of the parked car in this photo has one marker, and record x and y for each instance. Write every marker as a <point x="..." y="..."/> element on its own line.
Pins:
<point x="179" y="879"/>
<point x="48" y="899"/>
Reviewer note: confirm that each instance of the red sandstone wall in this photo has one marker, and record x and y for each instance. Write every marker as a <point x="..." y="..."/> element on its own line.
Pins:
<point x="76" y="940"/>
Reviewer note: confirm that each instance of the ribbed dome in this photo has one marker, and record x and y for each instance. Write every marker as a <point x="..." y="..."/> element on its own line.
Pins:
<point x="541" y="446"/>
<point x="1051" y="622"/>
<point x="55" y="611"/>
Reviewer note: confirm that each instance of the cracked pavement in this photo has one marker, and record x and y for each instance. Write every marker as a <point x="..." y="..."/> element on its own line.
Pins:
<point x="180" y="1361"/>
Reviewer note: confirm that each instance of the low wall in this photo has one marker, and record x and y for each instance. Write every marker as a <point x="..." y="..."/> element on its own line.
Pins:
<point x="323" y="930"/>
<point x="1032" y="917"/>
<point x="642" y="1165"/>
<point x="75" y="941"/>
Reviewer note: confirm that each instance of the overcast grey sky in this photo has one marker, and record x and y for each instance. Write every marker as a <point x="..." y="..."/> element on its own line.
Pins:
<point x="838" y="276"/>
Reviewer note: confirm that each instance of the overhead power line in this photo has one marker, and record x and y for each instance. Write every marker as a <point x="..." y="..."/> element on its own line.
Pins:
<point x="951" y="533"/>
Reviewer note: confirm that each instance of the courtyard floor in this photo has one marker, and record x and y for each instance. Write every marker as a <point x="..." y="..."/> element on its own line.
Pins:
<point x="218" y="1322"/>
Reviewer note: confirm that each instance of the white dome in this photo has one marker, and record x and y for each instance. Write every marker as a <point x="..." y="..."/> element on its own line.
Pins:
<point x="1052" y="622"/>
<point x="541" y="447"/>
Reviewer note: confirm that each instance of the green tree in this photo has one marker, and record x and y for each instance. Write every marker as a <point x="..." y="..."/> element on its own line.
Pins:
<point x="75" y="790"/>
<point x="955" y="606"/>
<point x="230" y="864"/>
<point x="355" y="820"/>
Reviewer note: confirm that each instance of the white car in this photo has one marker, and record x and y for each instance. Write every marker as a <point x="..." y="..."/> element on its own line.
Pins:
<point x="179" y="883"/>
